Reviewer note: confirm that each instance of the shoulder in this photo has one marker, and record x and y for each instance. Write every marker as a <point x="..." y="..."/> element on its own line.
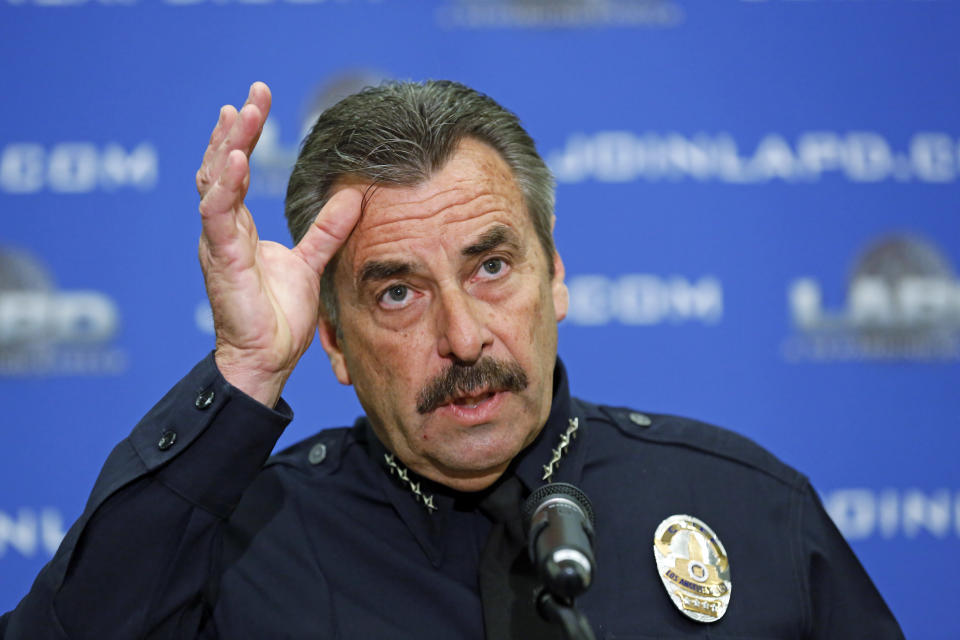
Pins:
<point x="294" y="474"/>
<point x="690" y="439"/>
<point x="320" y="454"/>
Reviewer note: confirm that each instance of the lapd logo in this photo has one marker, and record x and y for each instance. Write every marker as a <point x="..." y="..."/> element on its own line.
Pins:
<point x="693" y="567"/>
<point x="47" y="331"/>
<point x="902" y="303"/>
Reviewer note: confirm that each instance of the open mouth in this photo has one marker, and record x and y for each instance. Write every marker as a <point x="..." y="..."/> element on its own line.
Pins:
<point x="472" y="401"/>
<point x="474" y="407"/>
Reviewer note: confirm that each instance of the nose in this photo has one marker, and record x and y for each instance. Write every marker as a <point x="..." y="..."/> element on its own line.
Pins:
<point x="462" y="330"/>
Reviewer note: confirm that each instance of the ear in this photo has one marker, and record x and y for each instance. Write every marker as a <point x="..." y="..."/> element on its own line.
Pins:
<point x="561" y="296"/>
<point x="331" y="344"/>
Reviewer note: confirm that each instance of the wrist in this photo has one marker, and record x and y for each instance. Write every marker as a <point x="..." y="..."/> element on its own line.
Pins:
<point x="244" y="373"/>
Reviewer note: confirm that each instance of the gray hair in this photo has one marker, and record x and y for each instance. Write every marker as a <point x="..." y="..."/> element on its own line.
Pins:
<point x="401" y="133"/>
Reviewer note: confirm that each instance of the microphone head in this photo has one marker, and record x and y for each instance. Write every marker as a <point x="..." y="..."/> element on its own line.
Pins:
<point x="547" y="492"/>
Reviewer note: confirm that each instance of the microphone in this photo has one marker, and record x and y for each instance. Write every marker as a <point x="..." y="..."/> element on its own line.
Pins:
<point x="559" y="521"/>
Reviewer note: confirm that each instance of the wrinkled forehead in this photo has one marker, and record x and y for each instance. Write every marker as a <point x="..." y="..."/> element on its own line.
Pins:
<point x="474" y="170"/>
<point x="474" y="190"/>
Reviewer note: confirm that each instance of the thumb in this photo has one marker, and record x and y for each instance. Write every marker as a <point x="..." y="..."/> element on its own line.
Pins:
<point x="330" y="229"/>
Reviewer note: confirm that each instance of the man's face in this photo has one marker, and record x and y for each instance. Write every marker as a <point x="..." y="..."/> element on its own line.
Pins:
<point x="449" y="320"/>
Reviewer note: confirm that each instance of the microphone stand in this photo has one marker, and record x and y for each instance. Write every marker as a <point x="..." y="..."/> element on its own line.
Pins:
<point x="559" y="521"/>
<point x="563" y="611"/>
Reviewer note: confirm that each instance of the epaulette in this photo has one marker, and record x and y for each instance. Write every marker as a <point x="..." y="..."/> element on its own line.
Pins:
<point x="321" y="452"/>
<point x="718" y="442"/>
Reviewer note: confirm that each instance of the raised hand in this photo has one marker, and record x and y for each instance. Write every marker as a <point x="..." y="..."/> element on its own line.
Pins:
<point x="265" y="298"/>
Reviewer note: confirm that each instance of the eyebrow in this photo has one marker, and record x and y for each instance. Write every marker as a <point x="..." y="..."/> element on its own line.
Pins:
<point x="491" y="239"/>
<point x="376" y="270"/>
<point x="379" y="270"/>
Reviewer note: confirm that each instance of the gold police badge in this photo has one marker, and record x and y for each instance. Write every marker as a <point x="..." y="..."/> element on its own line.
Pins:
<point x="693" y="567"/>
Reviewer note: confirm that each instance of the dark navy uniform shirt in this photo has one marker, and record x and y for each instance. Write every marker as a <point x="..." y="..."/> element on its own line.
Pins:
<point x="191" y="532"/>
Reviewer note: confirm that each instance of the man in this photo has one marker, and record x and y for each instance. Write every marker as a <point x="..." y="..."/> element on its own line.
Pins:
<point x="424" y="260"/>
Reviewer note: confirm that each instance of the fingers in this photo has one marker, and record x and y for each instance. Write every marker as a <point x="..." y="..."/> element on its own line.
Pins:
<point x="223" y="200"/>
<point x="234" y="130"/>
<point x="244" y="127"/>
<point x="228" y="115"/>
<point x="330" y="229"/>
<point x="261" y="98"/>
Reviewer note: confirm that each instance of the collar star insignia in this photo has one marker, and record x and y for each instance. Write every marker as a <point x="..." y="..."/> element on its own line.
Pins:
<point x="565" y="439"/>
<point x="402" y="473"/>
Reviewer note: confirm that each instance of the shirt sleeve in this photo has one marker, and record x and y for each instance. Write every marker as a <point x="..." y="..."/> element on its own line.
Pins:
<point x="140" y="559"/>
<point x="842" y="599"/>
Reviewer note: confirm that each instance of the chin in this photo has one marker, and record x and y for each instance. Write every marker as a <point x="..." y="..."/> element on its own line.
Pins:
<point x="480" y="459"/>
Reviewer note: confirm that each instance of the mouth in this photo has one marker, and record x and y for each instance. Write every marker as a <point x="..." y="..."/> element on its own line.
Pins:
<point x="471" y="401"/>
<point x="474" y="408"/>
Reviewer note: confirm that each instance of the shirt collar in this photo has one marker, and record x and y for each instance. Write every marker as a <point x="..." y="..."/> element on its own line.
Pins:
<point x="530" y="465"/>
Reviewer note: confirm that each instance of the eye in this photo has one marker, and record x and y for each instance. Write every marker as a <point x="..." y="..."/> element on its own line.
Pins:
<point x="492" y="266"/>
<point x="396" y="296"/>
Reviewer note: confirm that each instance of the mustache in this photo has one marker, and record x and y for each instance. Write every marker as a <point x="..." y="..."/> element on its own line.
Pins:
<point x="459" y="379"/>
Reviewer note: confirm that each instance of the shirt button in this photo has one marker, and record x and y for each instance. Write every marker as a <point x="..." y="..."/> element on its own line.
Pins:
<point x="317" y="453"/>
<point x="167" y="438"/>
<point x="204" y="399"/>
<point x="640" y="419"/>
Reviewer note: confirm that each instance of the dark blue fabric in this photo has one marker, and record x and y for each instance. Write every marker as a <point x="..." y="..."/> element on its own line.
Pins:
<point x="206" y="540"/>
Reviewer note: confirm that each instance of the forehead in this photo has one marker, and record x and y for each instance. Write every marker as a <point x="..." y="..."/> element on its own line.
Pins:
<point x="475" y="189"/>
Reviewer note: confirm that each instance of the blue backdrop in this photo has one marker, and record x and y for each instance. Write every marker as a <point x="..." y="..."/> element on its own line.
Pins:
<point x="757" y="207"/>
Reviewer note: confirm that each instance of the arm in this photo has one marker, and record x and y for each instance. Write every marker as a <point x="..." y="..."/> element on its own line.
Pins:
<point x="139" y="557"/>
<point x="843" y="601"/>
<point x="138" y="561"/>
